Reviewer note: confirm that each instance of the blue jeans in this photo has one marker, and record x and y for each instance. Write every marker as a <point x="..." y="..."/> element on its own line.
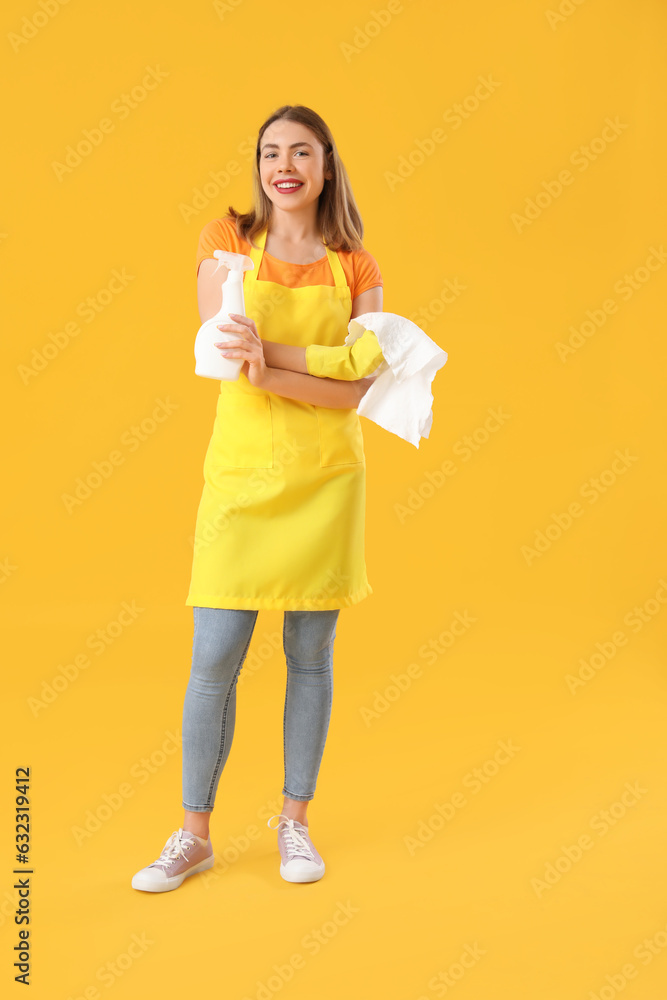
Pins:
<point x="220" y="643"/>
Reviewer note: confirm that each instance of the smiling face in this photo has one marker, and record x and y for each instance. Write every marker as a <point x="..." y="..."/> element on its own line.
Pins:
<point x="291" y="154"/>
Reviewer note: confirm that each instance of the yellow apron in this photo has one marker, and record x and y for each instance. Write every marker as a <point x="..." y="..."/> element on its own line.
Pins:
<point x="281" y="519"/>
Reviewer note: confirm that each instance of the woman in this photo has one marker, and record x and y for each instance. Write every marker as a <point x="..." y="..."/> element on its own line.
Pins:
<point x="280" y="524"/>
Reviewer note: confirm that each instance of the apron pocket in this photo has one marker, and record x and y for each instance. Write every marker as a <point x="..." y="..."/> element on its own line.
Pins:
<point x="341" y="438"/>
<point x="243" y="432"/>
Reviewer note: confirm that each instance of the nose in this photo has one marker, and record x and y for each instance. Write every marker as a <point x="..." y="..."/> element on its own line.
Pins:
<point x="281" y="160"/>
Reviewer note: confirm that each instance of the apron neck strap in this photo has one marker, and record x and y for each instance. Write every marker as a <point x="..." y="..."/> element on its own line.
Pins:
<point x="256" y="254"/>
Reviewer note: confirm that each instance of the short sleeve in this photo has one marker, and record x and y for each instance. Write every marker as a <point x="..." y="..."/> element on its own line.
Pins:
<point x="366" y="273"/>
<point x="345" y="361"/>
<point x="214" y="236"/>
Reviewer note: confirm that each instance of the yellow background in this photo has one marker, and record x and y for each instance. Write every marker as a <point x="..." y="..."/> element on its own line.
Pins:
<point x="461" y="550"/>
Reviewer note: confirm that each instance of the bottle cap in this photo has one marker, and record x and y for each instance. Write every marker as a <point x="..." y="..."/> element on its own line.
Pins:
<point x="234" y="261"/>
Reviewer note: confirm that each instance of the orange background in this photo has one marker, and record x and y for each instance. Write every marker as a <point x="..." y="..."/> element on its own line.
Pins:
<point x="517" y="868"/>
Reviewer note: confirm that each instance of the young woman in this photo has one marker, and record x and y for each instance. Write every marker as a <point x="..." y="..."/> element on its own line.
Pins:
<point x="280" y="524"/>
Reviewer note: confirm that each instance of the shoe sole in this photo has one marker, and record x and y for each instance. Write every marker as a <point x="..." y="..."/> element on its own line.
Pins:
<point x="166" y="885"/>
<point x="302" y="876"/>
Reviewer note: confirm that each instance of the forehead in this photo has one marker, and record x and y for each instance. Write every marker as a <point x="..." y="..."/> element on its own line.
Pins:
<point x="284" y="133"/>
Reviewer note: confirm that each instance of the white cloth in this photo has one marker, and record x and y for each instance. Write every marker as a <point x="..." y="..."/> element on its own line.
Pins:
<point x="400" y="398"/>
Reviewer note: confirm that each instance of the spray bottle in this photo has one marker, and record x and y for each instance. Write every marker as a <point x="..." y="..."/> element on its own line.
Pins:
<point x="209" y="362"/>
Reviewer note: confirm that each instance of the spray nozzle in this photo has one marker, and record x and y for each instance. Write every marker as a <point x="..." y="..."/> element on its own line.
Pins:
<point x="234" y="261"/>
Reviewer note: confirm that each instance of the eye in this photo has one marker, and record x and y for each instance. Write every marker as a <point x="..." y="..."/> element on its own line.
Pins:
<point x="267" y="155"/>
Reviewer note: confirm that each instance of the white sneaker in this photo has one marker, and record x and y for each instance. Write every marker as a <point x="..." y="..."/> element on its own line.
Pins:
<point x="184" y="854"/>
<point x="300" y="862"/>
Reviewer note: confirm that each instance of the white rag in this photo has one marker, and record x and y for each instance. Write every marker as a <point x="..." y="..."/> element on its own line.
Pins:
<point x="400" y="398"/>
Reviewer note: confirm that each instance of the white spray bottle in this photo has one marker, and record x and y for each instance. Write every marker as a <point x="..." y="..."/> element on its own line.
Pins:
<point x="209" y="362"/>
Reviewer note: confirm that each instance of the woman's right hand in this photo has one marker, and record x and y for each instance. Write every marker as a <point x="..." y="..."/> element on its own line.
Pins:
<point x="249" y="347"/>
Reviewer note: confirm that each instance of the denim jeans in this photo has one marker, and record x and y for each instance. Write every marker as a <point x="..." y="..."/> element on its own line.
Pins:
<point x="220" y="643"/>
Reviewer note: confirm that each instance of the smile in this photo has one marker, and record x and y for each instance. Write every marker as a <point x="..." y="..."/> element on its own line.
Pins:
<point x="288" y="185"/>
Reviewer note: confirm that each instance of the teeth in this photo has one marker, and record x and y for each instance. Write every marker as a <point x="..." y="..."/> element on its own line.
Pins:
<point x="288" y="184"/>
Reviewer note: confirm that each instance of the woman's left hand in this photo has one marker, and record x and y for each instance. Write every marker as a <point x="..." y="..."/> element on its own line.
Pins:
<point x="248" y="347"/>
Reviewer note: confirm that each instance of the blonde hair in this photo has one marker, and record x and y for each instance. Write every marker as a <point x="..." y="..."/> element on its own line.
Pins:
<point x="338" y="217"/>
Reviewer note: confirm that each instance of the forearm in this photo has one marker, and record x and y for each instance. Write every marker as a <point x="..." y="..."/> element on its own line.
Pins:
<point x="330" y="392"/>
<point x="285" y="356"/>
<point x="346" y="362"/>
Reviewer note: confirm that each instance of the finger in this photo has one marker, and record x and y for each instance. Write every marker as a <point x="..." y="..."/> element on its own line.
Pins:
<point x="238" y="352"/>
<point x="233" y="328"/>
<point x="243" y="321"/>
<point x="246" y="321"/>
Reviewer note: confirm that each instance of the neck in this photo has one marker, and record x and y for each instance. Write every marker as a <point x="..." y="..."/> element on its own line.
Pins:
<point x="295" y="227"/>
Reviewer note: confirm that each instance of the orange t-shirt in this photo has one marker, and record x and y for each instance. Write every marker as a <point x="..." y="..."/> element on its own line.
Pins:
<point x="360" y="268"/>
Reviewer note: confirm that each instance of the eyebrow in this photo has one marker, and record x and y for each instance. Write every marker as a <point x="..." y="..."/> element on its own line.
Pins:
<point x="274" y="145"/>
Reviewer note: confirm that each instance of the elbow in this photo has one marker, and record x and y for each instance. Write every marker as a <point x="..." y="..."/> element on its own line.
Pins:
<point x="344" y="395"/>
<point x="356" y="392"/>
<point x="350" y="398"/>
<point x="361" y="387"/>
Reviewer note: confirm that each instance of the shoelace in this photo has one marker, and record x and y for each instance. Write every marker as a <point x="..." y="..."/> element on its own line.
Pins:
<point x="173" y="849"/>
<point x="297" y="845"/>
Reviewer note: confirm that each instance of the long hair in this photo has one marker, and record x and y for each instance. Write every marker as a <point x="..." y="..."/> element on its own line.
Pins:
<point x="338" y="217"/>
